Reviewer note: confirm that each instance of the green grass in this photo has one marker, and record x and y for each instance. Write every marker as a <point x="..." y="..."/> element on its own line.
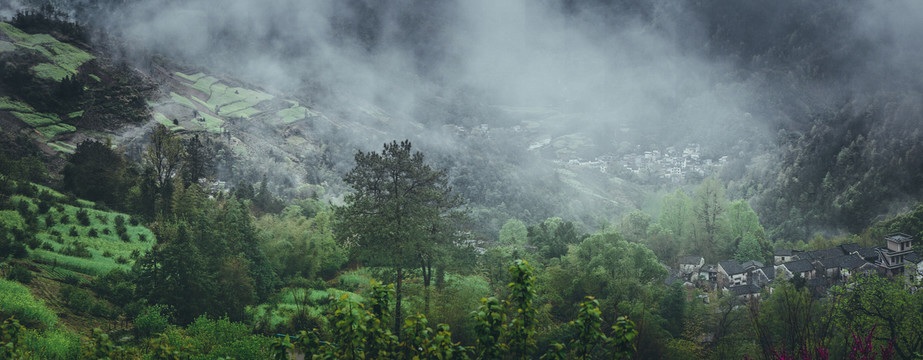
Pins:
<point x="12" y="105"/>
<point x="212" y="123"/>
<point x="182" y="100"/>
<point x="64" y="58"/>
<point x="6" y="46"/>
<point x="161" y="118"/>
<point x="294" y="113"/>
<point x="55" y="344"/>
<point x="62" y="147"/>
<point x="37" y="119"/>
<point x="112" y="243"/>
<point x="75" y="114"/>
<point x="51" y="131"/>
<point x="203" y="84"/>
<point x="94" y="77"/>
<point x="51" y="71"/>
<point x="17" y="300"/>
<point x="191" y="78"/>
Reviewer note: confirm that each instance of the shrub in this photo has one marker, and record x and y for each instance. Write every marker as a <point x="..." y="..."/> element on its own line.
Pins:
<point x="133" y="221"/>
<point x="47" y="246"/>
<point x="49" y="221"/>
<point x="77" y="249"/>
<point x="209" y="334"/>
<point x="119" y="221"/>
<point x="106" y="231"/>
<point x="92" y="233"/>
<point x="142" y="238"/>
<point x="55" y="233"/>
<point x="71" y="279"/>
<point x="52" y="344"/>
<point x="124" y="237"/>
<point x="121" y="260"/>
<point x="107" y="253"/>
<point x="102" y="218"/>
<point x="59" y="208"/>
<point x="76" y="298"/>
<point x="73" y="232"/>
<point x="65" y="219"/>
<point x="152" y="320"/>
<point x="43" y="207"/>
<point x="21" y="274"/>
<point x="83" y="217"/>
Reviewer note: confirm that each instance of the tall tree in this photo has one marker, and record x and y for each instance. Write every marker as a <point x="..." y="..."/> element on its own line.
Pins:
<point x="709" y="206"/>
<point x="96" y="172"/>
<point x="389" y="219"/>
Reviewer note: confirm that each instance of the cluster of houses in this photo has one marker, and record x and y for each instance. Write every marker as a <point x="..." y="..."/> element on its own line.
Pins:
<point x="819" y="269"/>
<point x="671" y="164"/>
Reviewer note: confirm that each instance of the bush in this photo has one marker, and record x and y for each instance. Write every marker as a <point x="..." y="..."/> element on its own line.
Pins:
<point x="43" y="207"/>
<point x="73" y="232"/>
<point x="92" y="233"/>
<point x="21" y="274"/>
<point x="121" y="260"/>
<point x="58" y="344"/>
<point x="77" y="249"/>
<point x="142" y="238"/>
<point x="76" y="298"/>
<point x="124" y="237"/>
<point x="71" y="279"/>
<point x="119" y="221"/>
<point x="208" y="334"/>
<point x="49" y="221"/>
<point x="47" y="246"/>
<point x="106" y="231"/>
<point x="152" y="320"/>
<point x="107" y="253"/>
<point x="65" y="219"/>
<point x="83" y="217"/>
<point x="133" y="221"/>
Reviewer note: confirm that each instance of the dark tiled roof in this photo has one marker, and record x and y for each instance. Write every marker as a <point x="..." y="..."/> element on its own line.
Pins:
<point x="731" y="267"/>
<point x="843" y="262"/>
<point x="822" y="254"/>
<point x="799" y="266"/>
<point x="751" y="264"/>
<point x="783" y="252"/>
<point x="770" y="272"/>
<point x="849" y="248"/>
<point x="869" y="253"/>
<point x="690" y="259"/>
<point x="913" y="257"/>
<point x="899" y="237"/>
<point x="744" y="289"/>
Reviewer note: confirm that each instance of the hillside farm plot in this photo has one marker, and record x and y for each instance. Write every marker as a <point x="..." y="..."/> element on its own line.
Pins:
<point x="182" y="100"/>
<point x="103" y="241"/>
<point x="163" y="120"/>
<point x="63" y="58"/>
<point x="294" y="113"/>
<point x="49" y="125"/>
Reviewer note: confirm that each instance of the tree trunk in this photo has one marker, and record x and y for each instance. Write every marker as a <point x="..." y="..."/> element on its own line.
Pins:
<point x="427" y="270"/>
<point x="397" y="303"/>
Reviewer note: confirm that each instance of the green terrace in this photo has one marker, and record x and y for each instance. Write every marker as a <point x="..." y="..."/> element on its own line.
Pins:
<point x="75" y="236"/>
<point x="49" y="125"/>
<point x="215" y="101"/>
<point x="63" y="59"/>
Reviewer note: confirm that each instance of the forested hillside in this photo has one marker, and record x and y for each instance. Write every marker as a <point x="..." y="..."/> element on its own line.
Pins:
<point x="559" y="179"/>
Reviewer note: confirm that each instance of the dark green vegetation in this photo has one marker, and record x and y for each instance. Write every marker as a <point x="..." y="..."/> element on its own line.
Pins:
<point x="130" y="233"/>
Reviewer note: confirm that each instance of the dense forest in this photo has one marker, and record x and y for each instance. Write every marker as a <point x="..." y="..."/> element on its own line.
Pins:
<point x="202" y="200"/>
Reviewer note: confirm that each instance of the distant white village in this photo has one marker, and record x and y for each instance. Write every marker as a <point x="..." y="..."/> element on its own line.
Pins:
<point x="669" y="164"/>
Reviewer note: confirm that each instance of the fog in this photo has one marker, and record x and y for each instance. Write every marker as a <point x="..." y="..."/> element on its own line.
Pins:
<point x="646" y="73"/>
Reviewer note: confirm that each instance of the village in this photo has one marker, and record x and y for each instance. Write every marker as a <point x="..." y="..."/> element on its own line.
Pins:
<point x="819" y="270"/>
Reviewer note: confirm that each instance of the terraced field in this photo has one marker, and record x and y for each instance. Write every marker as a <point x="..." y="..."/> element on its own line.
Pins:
<point x="63" y="59"/>
<point x="77" y="237"/>
<point x="49" y="125"/>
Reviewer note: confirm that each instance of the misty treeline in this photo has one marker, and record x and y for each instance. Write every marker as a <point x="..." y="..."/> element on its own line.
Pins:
<point x="244" y="261"/>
